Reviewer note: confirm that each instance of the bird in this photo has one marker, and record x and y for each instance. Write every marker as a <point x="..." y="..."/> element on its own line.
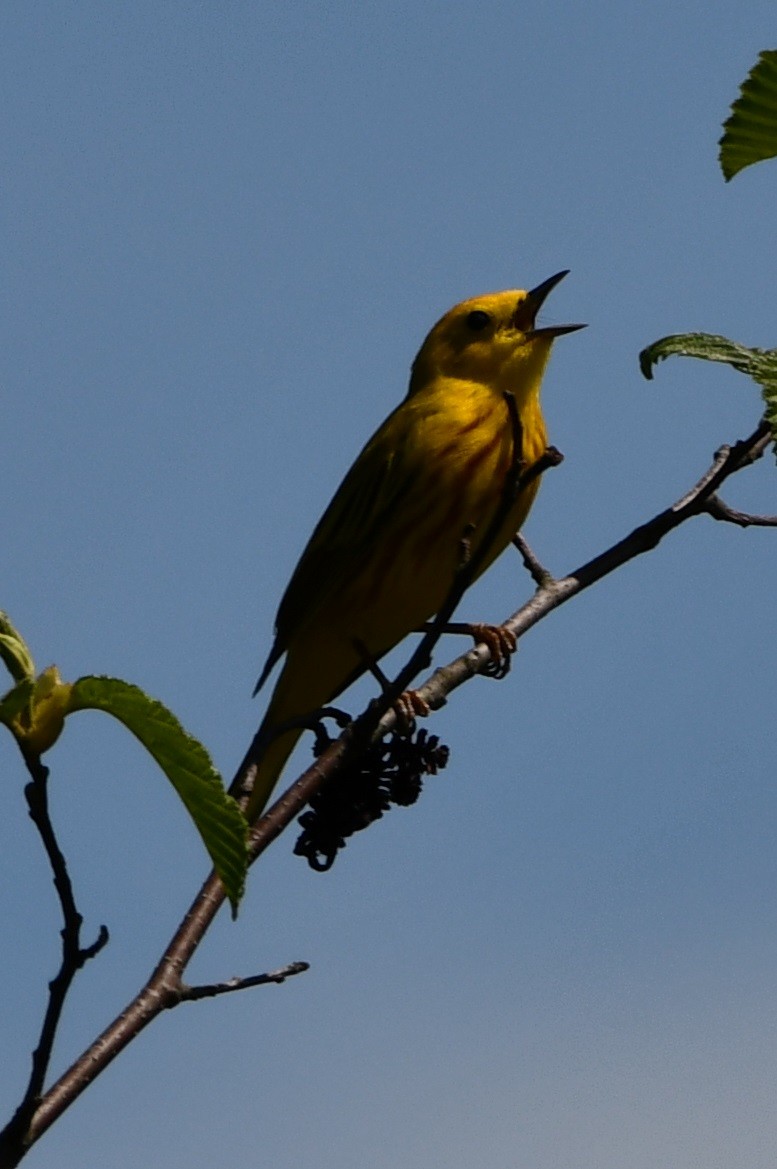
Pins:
<point x="384" y="556"/>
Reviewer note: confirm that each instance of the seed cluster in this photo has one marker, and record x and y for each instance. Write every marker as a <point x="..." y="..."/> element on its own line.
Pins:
<point x="389" y="773"/>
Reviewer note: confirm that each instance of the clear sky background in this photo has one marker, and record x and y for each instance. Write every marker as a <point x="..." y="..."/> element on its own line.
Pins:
<point x="228" y="227"/>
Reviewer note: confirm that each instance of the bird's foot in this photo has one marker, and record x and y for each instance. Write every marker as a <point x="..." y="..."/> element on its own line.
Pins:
<point x="408" y="707"/>
<point x="501" y="644"/>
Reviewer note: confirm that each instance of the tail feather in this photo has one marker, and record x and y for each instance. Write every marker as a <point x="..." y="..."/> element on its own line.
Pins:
<point x="271" y="765"/>
<point x="301" y="690"/>
<point x="275" y="654"/>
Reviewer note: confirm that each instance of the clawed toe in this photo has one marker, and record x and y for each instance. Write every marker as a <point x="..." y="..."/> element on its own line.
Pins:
<point x="408" y="707"/>
<point x="501" y="644"/>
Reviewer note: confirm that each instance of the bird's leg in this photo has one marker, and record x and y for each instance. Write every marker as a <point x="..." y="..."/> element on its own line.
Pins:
<point x="313" y="721"/>
<point x="500" y="642"/>
<point x="369" y="663"/>
<point x="409" y="705"/>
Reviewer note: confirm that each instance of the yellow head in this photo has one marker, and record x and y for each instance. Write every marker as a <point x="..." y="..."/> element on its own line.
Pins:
<point x="490" y="339"/>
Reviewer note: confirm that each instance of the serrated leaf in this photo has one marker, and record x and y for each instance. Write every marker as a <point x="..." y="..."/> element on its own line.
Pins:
<point x="758" y="364"/>
<point x="770" y="403"/>
<point x="750" y="132"/>
<point x="186" y="764"/>
<point x="708" y="347"/>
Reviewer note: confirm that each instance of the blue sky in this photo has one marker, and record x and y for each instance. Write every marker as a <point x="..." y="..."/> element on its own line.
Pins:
<point x="227" y="229"/>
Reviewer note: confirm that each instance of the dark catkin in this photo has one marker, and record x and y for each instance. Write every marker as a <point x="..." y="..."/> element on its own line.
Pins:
<point x="389" y="773"/>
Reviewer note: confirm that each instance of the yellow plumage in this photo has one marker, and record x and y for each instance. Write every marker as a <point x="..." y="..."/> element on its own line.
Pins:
<point x="383" y="558"/>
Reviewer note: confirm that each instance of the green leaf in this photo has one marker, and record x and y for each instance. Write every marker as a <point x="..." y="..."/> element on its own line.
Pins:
<point x="709" y="347"/>
<point x="186" y="764"/>
<point x="16" y="701"/>
<point x="14" y="651"/>
<point x="759" y="364"/>
<point x="750" y="133"/>
<point x="35" y="710"/>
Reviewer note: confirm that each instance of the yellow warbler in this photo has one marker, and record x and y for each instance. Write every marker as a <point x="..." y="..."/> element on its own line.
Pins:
<point x="384" y="556"/>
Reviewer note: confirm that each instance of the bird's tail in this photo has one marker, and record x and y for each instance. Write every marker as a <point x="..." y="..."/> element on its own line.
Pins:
<point x="271" y="764"/>
<point x="316" y="670"/>
<point x="299" y="692"/>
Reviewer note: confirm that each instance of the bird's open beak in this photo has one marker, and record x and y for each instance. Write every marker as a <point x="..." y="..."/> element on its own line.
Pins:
<point x="526" y="313"/>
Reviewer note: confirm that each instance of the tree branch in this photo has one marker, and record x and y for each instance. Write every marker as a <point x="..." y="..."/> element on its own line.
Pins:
<point x="721" y="511"/>
<point x="13" y="1136"/>
<point x="538" y="572"/>
<point x="192" y="994"/>
<point x="165" y="987"/>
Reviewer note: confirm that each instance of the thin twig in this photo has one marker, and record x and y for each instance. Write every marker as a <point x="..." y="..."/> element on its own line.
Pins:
<point x="539" y="573"/>
<point x="192" y="994"/>
<point x="74" y="957"/>
<point x="719" y="510"/>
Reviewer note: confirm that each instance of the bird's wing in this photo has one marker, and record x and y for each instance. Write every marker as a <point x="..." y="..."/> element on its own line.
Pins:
<point x="352" y="525"/>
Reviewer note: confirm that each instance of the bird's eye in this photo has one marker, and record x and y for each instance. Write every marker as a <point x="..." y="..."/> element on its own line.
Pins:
<point x="477" y="320"/>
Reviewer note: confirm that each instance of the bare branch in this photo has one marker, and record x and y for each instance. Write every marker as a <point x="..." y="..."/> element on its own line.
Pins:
<point x="721" y="511"/>
<point x="190" y="994"/>
<point x="13" y="1141"/>
<point x="539" y="573"/>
